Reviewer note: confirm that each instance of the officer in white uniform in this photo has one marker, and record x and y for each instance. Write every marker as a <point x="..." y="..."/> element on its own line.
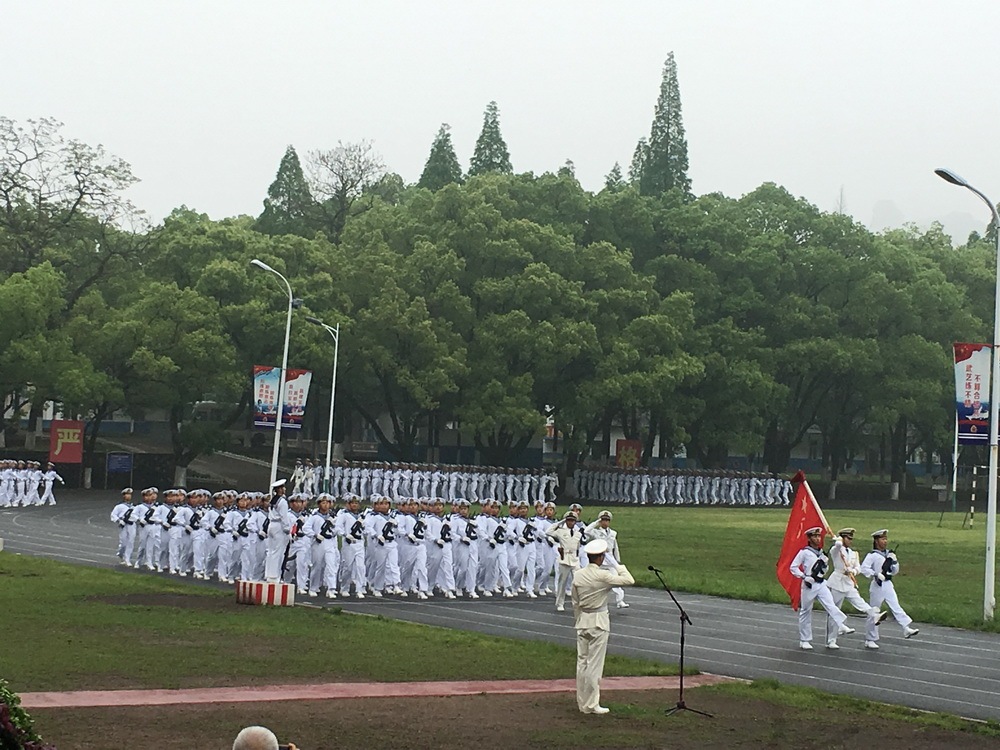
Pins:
<point x="811" y="566"/>
<point x="881" y="566"/>
<point x="601" y="529"/>
<point x="278" y="530"/>
<point x="843" y="583"/>
<point x="566" y="536"/>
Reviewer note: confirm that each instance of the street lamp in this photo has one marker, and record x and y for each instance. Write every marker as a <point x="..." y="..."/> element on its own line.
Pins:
<point x="989" y="598"/>
<point x="335" y="332"/>
<point x="284" y="366"/>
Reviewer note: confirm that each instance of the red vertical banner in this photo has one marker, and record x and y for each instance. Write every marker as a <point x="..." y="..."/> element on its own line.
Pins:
<point x="66" y="441"/>
<point x="628" y="453"/>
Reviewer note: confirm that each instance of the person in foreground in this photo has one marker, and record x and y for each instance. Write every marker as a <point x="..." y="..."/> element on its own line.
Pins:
<point x="259" y="738"/>
<point x="590" y="609"/>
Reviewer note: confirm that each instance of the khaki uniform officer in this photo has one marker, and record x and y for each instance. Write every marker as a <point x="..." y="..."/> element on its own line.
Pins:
<point x="590" y="608"/>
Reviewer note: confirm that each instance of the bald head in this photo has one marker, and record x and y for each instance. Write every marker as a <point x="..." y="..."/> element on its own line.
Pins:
<point x="255" y="738"/>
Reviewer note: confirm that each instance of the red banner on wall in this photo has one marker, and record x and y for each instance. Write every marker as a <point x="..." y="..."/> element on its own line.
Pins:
<point x="628" y="453"/>
<point x="66" y="441"/>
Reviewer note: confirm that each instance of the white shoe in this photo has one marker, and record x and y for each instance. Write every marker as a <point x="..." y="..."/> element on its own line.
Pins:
<point x="881" y="616"/>
<point x="449" y="595"/>
<point x="623" y="605"/>
<point x="909" y="632"/>
<point x="600" y="710"/>
<point x="473" y="595"/>
<point x="360" y="595"/>
<point x="136" y="566"/>
<point x="508" y="594"/>
<point x="331" y="594"/>
<point x="488" y="594"/>
<point x="421" y="595"/>
<point x="301" y="592"/>
<point x="805" y="645"/>
<point x="560" y="608"/>
<point x="844" y="630"/>
<point x="832" y="645"/>
<point x="313" y="594"/>
<point x="398" y="591"/>
<point x="377" y="594"/>
<point x="182" y="574"/>
<point x="872" y="645"/>
<point x="532" y="595"/>
<point x="404" y="594"/>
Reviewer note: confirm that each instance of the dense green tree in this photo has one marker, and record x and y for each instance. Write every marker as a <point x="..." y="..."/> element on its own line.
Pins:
<point x="289" y="207"/>
<point x="614" y="180"/>
<point x="664" y="162"/>
<point x="442" y="167"/>
<point x="491" y="154"/>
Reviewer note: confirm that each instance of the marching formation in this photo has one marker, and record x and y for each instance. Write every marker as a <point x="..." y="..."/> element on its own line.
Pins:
<point x="644" y="486"/>
<point x="443" y="481"/>
<point x="401" y="546"/>
<point x="829" y="580"/>
<point x="24" y="484"/>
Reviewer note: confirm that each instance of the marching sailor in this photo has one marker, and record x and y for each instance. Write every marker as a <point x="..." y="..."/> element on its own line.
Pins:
<point x="881" y="566"/>
<point x="843" y="582"/>
<point x="601" y="529"/>
<point x="811" y="566"/>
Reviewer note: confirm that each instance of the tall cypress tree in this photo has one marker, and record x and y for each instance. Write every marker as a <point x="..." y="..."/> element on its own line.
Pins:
<point x="491" y="153"/>
<point x="638" y="164"/>
<point x="289" y="207"/>
<point x="614" y="180"/>
<point x="442" y="167"/>
<point x="666" y="160"/>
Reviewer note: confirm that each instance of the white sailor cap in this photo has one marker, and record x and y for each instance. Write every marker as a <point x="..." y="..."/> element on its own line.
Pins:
<point x="605" y="514"/>
<point x="568" y="515"/>
<point x="596" y="547"/>
<point x="848" y="532"/>
<point x="127" y="491"/>
<point x="880" y="533"/>
<point x="277" y="483"/>
<point x="151" y="491"/>
<point x="576" y="506"/>
<point x="814" y="530"/>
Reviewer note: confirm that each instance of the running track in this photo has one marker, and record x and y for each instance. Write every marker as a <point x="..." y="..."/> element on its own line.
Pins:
<point x="942" y="669"/>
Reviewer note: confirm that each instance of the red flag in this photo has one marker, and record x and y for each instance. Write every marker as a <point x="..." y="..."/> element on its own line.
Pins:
<point x="805" y="514"/>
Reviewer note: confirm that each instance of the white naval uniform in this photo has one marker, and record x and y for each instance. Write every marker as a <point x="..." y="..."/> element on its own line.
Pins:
<point x="568" y="548"/>
<point x="49" y="478"/>
<point x="814" y="590"/>
<point x="593" y="626"/>
<point x="350" y="529"/>
<point x="321" y="530"/>
<point x="842" y="583"/>
<point x="612" y="557"/>
<point x="883" y="590"/>
<point x="278" y="529"/>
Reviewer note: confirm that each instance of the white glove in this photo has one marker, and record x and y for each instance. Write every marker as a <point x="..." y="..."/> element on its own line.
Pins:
<point x="880" y="576"/>
<point x="809" y="581"/>
<point x="439" y="543"/>
<point x="381" y="540"/>
<point x="412" y="538"/>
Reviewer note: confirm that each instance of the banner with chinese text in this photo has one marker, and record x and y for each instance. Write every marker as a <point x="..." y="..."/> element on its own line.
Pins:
<point x="265" y="389"/>
<point x="66" y="441"/>
<point x="972" y="393"/>
<point x="628" y="453"/>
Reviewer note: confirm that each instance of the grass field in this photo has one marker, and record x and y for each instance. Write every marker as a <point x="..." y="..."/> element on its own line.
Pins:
<point x="732" y="552"/>
<point x="79" y="628"/>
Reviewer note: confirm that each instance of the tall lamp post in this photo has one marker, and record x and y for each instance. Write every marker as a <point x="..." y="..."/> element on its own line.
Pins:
<point x="989" y="597"/>
<point x="284" y="366"/>
<point x="335" y="332"/>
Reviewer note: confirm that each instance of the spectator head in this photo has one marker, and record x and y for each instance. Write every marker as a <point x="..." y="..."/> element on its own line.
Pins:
<point x="255" y="738"/>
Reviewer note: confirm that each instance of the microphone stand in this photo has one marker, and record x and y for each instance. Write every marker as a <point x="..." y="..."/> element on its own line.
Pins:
<point x="681" y="706"/>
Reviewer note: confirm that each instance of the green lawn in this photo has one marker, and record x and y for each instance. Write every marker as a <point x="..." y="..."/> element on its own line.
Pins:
<point x="732" y="552"/>
<point x="72" y="627"/>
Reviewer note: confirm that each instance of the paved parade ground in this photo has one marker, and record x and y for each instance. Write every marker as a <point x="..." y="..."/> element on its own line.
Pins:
<point x="942" y="669"/>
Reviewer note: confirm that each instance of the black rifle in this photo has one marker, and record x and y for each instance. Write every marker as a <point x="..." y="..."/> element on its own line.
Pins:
<point x="326" y="530"/>
<point x="500" y="533"/>
<point x="389" y="530"/>
<point x="529" y="532"/>
<point x="127" y="518"/>
<point x="219" y="521"/>
<point x="818" y="570"/>
<point x="445" y="532"/>
<point x="418" y="529"/>
<point x="195" y="520"/>
<point x="241" y="528"/>
<point x="470" y="530"/>
<point x="358" y="530"/>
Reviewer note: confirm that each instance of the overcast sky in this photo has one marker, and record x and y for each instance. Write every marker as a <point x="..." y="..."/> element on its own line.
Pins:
<point x="852" y="103"/>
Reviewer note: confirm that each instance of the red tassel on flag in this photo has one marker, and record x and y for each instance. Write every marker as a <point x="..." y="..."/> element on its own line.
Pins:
<point x="805" y="514"/>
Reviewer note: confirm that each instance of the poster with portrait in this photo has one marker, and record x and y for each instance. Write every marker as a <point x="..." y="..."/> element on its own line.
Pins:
<point x="265" y="396"/>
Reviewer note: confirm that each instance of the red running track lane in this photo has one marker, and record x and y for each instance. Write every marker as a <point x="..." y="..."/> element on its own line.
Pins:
<point x="344" y="690"/>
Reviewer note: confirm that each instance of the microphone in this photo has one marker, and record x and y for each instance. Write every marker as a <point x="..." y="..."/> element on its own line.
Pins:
<point x="655" y="570"/>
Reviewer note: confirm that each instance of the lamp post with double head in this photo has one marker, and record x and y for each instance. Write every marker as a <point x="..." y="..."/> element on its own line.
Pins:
<point x="335" y="332"/>
<point x="284" y="366"/>
<point x="989" y="597"/>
